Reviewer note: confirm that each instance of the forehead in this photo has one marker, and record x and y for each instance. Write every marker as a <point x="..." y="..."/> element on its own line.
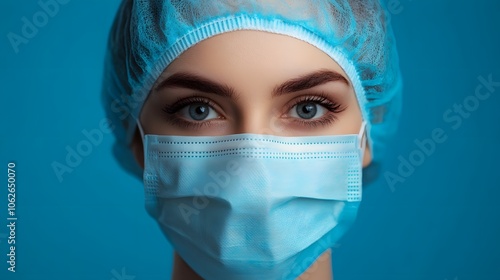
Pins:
<point x="255" y="55"/>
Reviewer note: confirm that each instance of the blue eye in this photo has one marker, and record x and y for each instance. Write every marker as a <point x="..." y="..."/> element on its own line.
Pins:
<point x="198" y="111"/>
<point x="307" y="110"/>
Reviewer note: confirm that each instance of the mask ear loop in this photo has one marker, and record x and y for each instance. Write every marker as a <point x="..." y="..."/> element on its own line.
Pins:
<point x="139" y="126"/>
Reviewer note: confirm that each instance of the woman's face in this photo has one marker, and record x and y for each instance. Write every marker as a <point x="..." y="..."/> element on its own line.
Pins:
<point x="252" y="82"/>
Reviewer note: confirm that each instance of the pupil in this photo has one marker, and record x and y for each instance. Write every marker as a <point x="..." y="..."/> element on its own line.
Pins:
<point x="307" y="110"/>
<point x="198" y="111"/>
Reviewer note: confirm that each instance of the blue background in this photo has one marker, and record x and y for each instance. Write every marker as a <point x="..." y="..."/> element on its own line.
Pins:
<point x="441" y="222"/>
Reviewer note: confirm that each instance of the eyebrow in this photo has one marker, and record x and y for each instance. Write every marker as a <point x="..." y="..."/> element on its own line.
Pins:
<point x="309" y="81"/>
<point x="195" y="82"/>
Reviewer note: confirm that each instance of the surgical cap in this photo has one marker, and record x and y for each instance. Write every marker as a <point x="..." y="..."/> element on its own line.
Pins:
<point x="147" y="35"/>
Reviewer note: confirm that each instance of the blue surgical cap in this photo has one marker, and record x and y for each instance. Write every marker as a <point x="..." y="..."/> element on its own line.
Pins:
<point x="147" y="35"/>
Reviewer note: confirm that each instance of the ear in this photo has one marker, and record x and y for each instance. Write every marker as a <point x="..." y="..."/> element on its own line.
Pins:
<point x="367" y="158"/>
<point x="138" y="148"/>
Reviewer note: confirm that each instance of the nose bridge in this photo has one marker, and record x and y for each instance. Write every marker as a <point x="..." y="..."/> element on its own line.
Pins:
<point x="255" y="117"/>
<point x="253" y="121"/>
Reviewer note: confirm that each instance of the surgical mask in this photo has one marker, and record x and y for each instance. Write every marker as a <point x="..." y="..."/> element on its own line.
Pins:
<point x="251" y="206"/>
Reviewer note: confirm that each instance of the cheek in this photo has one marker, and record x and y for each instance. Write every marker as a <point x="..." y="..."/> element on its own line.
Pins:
<point x="353" y="117"/>
<point x="350" y="121"/>
<point x="148" y="116"/>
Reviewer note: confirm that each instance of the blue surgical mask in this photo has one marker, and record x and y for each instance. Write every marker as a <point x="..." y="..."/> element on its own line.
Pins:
<point x="251" y="206"/>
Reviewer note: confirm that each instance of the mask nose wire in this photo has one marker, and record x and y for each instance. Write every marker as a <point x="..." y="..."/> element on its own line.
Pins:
<point x="361" y="135"/>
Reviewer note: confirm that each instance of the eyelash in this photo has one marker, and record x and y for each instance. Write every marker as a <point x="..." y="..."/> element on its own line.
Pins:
<point x="171" y="111"/>
<point x="320" y="99"/>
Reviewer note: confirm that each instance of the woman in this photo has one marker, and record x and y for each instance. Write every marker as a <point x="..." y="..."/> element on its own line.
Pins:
<point x="250" y="123"/>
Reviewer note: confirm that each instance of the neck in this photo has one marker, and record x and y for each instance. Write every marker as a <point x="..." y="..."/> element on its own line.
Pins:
<point x="321" y="269"/>
<point x="182" y="271"/>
